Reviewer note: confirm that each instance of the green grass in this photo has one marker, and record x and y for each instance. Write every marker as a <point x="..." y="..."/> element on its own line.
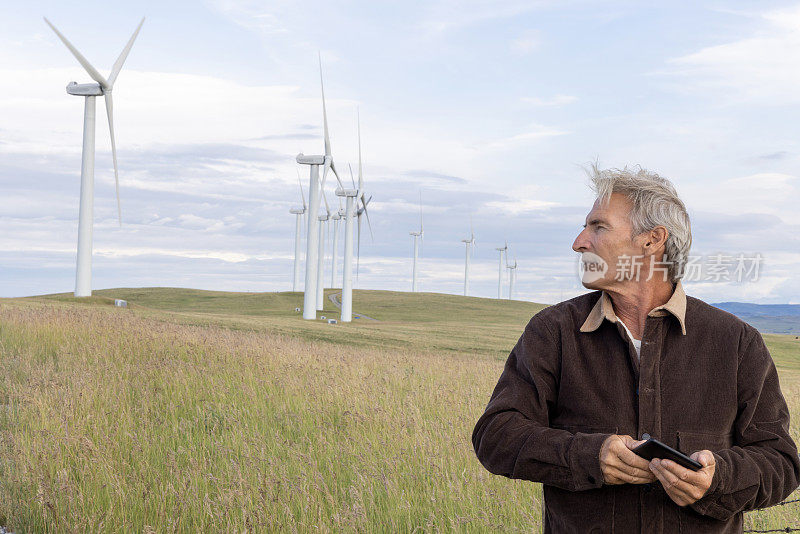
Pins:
<point x="410" y="321"/>
<point x="205" y="411"/>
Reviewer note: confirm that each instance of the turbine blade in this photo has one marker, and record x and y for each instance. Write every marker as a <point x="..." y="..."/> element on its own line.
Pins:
<point x="327" y="208"/>
<point x="336" y="174"/>
<point x="302" y="193"/>
<point x="351" y="176"/>
<point x="358" y="246"/>
<point x="360" y="174"/>
<point x="110" y="113"/>
<point x="325" y="173"/>
<point x="324" y="110"/>
<point x="123" y="56"/>
<point x="369" y="225"/>
<point x="421" y="224"/>
<point x="471" y="233"/>
<point x="96" y="76"/>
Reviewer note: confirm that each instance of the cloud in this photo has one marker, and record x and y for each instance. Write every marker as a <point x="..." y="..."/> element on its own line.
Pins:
<point x="555" y="101"/>
<point x="774" y="156"/>
<point x="535" y="133"/>
<point x="528" y="42"/>
<point x="431" y="175"/>
<point x="763" y="67"/>
<point x="445" y="15"/>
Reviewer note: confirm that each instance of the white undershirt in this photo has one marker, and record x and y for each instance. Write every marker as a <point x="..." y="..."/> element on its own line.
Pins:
<point x="637" y="343"/>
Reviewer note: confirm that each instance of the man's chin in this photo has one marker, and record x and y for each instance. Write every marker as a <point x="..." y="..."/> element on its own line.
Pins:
<point x="594" y="284"/>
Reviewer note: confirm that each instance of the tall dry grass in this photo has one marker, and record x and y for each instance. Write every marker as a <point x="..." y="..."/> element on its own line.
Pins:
<point x="113" y="422"/>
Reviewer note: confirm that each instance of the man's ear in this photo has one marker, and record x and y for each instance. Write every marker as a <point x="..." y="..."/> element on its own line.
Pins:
<point x="654" y="241"/>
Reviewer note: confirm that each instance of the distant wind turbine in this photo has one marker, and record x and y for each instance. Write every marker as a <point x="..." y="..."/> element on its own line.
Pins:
<point x="336" y="217"/>
<point x="417" y="239"/>
<point x="470" y="243"/>
<point x="297" y="233"/>
<point x="83" y="276"/>
<point x="324" y="222"/>
<point x="512" y="276"/>
<point x="503" y="250"/>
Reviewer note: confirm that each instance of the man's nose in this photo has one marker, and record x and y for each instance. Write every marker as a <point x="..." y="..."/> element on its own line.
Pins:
<point x="580" y="242"/>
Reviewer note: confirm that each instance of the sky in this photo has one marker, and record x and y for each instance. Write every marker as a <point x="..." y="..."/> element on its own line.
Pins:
<point x="489" y="110"/>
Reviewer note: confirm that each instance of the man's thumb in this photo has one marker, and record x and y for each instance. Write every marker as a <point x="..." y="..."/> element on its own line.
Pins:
<point x="705" y="457"/>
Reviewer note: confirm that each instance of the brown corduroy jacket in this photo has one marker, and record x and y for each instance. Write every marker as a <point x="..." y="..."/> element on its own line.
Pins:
<point x="704" y="380"/>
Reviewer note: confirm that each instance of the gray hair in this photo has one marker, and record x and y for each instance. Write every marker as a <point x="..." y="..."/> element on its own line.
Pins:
<point x="655" y="203"/>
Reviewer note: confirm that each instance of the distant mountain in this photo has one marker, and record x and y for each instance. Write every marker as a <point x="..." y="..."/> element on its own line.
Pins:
<point x="768" y="318"/>
<point x="770" y="310"/>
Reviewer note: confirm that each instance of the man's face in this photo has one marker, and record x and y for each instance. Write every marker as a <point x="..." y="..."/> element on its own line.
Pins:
<point x="605" y="238"/>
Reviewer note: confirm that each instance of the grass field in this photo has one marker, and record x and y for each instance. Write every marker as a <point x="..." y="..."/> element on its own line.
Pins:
<point x="206" y="411"/>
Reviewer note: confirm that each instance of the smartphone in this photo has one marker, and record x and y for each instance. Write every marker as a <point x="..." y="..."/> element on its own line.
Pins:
<point x="652" y="448"/>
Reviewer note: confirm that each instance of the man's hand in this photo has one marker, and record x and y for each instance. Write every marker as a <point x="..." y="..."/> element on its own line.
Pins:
<point x="620" y="465"/>
<point x="685" y="486"/>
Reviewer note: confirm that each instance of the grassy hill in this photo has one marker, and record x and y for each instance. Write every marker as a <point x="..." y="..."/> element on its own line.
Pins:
<point x="198" y="411"/>
<point x="421" y="321"/>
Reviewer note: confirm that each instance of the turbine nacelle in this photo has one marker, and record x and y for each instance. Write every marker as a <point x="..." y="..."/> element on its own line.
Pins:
<point x="302" y="159"/>
<point x="297" y="211"/>
<point x="347" y="192"/>
<point x="85" y="89"/>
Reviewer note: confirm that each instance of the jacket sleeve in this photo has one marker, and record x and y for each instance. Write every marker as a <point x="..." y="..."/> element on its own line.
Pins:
<point x="513" y="437"/>
<point x="762" y="467"/>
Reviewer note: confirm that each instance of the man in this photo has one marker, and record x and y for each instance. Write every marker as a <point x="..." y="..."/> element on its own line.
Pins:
<point x="593" y="377"/>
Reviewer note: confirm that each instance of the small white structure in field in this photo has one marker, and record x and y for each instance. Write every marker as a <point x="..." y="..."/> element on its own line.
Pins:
<point x="332" y="321"/>
<point x="119" y="303"/>
<point x="297" y="310"/>
<point x="323" y="317"/>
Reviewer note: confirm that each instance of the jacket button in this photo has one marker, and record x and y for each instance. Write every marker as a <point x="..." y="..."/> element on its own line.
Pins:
<point x="645" y="436"/>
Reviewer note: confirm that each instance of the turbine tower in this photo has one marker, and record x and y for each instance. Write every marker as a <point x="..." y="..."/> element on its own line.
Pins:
<point x="323" y="220"/>
<point x="314" y="188"/>
<point x="299" y="212"/>
<point x="417" y="235"/>
<point x="323" y="223"/>
<point x="470" y="243"/>
<point x="347" y="265"/>
<point x="102" y="87"/>
<point x="336" y="217"/>
<point x="502" y="251"/>
<point x="512" y="276"/>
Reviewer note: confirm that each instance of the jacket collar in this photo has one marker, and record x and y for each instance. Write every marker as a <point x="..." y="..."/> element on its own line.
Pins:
<point x="603" y="309"/>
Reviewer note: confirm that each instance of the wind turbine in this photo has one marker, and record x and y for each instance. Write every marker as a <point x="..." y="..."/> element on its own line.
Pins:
<point x="502" y="250"/>
<point x="469" y="244"/>
<point x="103" y="86"/>
<point x="512" y="276"/>
<point x="299" y="212"/>
<point x="417" y="235"/>
<point x="336" y="217"/>
<point x="352" y="196"/>
<point x="314" y="188"/>
<point x="323" y="223"/>
<point x="362" y="197"/>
